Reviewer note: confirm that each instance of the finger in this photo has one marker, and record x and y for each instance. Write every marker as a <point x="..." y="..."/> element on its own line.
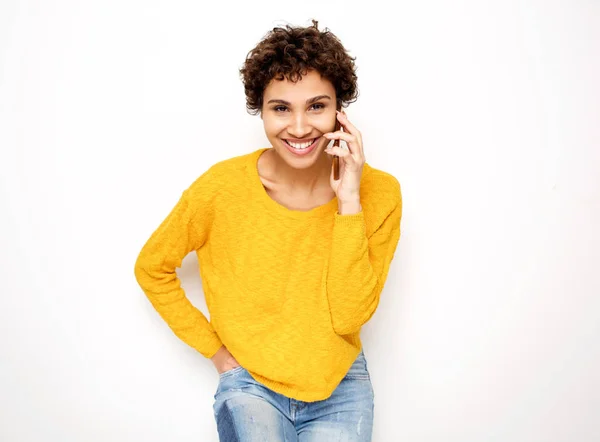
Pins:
<point x="341" y="136"/>
<point x="340" y="152"/>
<point x="351" y="140"/>
<point x="349" y="127"/>
<point x="345" y="122"/>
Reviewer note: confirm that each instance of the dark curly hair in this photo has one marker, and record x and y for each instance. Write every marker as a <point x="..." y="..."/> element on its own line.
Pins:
<point x="290" y="53"/>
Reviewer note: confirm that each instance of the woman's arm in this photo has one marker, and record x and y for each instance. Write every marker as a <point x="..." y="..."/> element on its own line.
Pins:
<point x="359" y="264"/>
<point x="184" y="230"/>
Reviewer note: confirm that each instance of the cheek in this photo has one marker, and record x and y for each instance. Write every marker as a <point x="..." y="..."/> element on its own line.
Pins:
<point x="325" y="121"/>
<point x="273" y="126"/>
<point x="325" y="125"/>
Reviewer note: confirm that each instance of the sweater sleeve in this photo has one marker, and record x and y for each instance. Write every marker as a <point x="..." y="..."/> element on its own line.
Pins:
<point x="184" y="230"/>
<point x="359" y="264"/>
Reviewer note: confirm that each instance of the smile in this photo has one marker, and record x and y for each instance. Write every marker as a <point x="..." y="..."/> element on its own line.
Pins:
<point x="301" y="148"/>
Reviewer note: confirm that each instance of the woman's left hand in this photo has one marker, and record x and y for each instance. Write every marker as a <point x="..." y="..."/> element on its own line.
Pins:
<point x="352" y="160"/>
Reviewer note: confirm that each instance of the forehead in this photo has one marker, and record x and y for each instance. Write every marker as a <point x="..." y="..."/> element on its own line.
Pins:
<point x="312" y="84"/>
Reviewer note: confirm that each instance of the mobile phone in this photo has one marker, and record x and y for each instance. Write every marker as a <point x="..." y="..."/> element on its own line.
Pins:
<point x="336" y="159"/>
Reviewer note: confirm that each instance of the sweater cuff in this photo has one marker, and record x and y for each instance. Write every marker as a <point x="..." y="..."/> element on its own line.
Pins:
<point x="212" y="347"/>
<point x="350" y="220"/>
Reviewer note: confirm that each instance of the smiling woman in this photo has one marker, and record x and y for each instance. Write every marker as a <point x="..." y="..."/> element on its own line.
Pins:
<point x="295" y="125"/>
<point x="289" y="284"/>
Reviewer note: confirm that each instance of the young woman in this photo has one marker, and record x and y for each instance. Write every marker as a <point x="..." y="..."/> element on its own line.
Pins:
<point x="292" y="260"/>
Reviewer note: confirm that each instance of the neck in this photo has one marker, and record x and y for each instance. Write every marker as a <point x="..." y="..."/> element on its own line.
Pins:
<point x="303" y="180"/>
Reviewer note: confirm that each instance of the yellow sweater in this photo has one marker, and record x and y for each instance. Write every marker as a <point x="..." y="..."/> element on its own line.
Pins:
<point x="287" y="291"/>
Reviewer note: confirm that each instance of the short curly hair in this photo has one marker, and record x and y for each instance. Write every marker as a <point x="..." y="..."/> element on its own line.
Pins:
<point x="290" y="53"/>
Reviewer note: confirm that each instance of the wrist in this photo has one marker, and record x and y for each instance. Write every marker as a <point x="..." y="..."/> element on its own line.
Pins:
<point x="223" y="360"/>
<point x="349" y="207"/>
<point x="220" y="356"/>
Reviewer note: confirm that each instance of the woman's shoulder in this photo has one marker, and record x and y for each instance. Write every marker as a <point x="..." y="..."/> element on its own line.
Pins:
<point x="379" y="182"/>
<point x="228" y="172"/>
<point x="235" y="164"/>
<point x="380" y="196"/>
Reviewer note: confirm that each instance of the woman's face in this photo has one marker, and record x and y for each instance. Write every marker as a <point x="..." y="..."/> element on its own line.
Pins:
<point x="296" y="115"/>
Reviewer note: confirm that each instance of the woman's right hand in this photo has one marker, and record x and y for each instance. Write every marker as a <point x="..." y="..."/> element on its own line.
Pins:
<point x="224" y="361"/>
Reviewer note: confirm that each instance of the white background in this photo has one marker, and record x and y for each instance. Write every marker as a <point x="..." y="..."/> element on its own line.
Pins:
<point x="488" y="114"/>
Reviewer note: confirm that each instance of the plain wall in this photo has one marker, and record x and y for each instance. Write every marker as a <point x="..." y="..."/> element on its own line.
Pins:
<point x="487" y="113"/>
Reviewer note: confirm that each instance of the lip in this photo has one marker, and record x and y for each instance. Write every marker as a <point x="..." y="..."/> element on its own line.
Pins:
<point x="302" y="152"/>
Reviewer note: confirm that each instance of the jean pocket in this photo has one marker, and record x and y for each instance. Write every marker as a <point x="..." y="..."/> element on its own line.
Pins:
<point x="230" y="372"/>
<point x="230" y="380"/>
<point x="359" y="369"/>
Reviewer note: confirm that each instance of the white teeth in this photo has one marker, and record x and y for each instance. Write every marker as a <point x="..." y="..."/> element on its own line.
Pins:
<point x="301" y="145"/>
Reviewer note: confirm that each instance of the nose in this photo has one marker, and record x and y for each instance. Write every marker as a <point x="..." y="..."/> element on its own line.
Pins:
<point x="299" y="126"/>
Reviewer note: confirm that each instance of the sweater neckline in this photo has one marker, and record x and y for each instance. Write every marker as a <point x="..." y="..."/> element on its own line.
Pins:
<point x="261" y="193"/>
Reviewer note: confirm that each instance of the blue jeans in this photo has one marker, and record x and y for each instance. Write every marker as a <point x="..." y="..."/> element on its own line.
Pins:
<point x="247" y="411"/>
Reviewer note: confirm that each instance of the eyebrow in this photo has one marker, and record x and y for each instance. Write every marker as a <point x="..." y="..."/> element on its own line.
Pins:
<point x="309" y="101"/>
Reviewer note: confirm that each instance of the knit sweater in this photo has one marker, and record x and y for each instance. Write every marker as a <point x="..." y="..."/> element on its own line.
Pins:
<point x="287" y="290"/>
